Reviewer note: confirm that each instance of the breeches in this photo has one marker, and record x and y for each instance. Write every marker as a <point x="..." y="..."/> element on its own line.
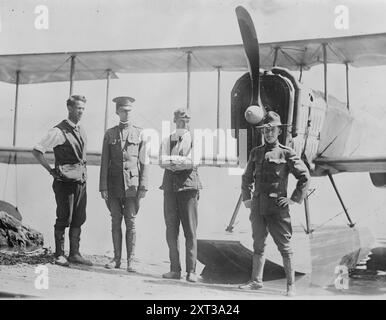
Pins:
<point x="122" y="208"/>
<point x="71" y="201"/>
<point x="278" y="225"/>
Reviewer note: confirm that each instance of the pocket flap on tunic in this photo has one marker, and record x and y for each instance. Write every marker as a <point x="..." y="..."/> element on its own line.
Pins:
<point x="277" y="160"/>
<point x="133" y="138"/>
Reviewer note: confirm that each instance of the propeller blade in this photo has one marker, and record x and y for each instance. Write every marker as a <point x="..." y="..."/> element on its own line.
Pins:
<point x="251" y="48"/>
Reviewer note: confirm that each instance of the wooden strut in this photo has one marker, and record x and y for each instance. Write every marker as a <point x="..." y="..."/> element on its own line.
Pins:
<point x="16" y="108"/>
<point x="275" y="56"/>
<point x="351" y="224"/>
<point x="347" y="87"/>
<point x="308" y="218"/>
<point x="325" y="71"/>
<point x="300" y="73"/>
<point x="188" y="69"/>
<point x="108" y="74"/>
<point x="218" y="106"/>
<point x="72" y="72"/>
<point x="234" y="215"/>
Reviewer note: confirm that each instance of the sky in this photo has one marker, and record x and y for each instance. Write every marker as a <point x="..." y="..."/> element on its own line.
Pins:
<point x="107" y="25"/>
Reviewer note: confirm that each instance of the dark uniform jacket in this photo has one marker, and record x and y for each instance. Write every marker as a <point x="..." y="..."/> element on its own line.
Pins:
<point x="123" y="170"/>
<point x="267" y="170"/>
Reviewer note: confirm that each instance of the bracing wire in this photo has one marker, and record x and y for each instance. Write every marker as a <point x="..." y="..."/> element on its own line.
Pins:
<point x="329" y="220"/>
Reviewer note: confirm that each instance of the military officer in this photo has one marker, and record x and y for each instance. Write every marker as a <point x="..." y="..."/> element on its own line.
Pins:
<point x="181" y="186"/>
<point x="267" y="169"/>
<point x="123" y="178"/>
<point x="68" y="139"/>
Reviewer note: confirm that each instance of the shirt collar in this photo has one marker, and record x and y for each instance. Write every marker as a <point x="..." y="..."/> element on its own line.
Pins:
<point x="270" y="146"/>
<point x="72" y="124"/>
<point x="124" y="125"/>
<point x="176" y="137"/>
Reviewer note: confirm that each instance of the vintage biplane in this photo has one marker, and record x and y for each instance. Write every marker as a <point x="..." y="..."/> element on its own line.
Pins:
<point x="320" y="128"/>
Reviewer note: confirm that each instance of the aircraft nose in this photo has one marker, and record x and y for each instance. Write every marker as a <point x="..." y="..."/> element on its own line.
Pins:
<point x="254" y="114"/>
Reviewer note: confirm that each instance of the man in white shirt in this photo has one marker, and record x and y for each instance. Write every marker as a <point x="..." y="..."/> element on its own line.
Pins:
<point x="181" y="185"/>
<point x="68" y="140"/>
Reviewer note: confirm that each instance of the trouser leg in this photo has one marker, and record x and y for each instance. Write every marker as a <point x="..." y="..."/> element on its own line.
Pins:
<point x="172" y="222"/>
<point x="187" y="206"/>
<point x="115" y="207"/>
<point x="79" y="203"/>
<point x="64" y="197"/>
<point x="281" y="230"/>
<point x="259" y="235"/>
<point x="129" y="213"/>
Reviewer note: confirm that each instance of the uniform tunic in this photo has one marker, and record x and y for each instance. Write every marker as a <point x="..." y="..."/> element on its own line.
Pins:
<point x="123" y="172"/>
<point x="266" y="174"/>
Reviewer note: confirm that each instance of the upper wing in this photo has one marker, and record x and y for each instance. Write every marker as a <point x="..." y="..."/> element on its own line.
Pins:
<point x="52" y="67"/>
<point x="358" y="51"/>
<point x="349" y="164"/>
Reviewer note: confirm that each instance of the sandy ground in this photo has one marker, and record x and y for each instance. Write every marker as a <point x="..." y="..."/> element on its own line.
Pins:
<point x="79" y="282"/>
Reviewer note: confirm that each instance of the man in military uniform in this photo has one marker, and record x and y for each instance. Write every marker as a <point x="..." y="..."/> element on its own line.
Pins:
<point x="181" y="186"/>
<point x="68" y="139"/>
<point x="267" y="169"/>
<point x="123" y="179"/>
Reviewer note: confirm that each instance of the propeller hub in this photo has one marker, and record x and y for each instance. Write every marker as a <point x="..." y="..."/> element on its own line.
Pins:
<point x="254" y="114"/>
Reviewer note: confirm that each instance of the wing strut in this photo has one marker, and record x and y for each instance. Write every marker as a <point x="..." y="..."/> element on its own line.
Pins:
<point x="275" y="57"/>
<point x="347" y="87"/>
<point x="188" y="69"/>
<point x="108" y="75"/>
<point x="16" y="107"/>
<point x="351" y="224"/>
<point x="300" y="73"/>
<point x="325" y="70"/>
<point x="72" y="73"/>
<point x="308" y="218"/>
<point x="218" y="106"/>
<point x="234" y="215"/>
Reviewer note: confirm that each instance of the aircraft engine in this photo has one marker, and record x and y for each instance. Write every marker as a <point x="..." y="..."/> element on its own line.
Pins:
<point x="378" y="179"/>
<point x="254" y="114"/>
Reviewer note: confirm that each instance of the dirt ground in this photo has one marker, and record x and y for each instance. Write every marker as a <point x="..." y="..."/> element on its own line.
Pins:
<point x="24" y="281"/>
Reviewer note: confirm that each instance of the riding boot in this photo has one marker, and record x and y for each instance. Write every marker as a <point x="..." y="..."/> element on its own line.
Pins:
<point x="117" y="243"/>
<point x="290" y="275"/>
<point x="130" y="247"/>
<point x="60" y="259"/>
<point x="75" y="256"/>
<point x="256" y="281"/>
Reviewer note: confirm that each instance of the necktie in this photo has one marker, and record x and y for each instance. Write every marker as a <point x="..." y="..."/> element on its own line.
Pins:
<point x="123" y="125"/>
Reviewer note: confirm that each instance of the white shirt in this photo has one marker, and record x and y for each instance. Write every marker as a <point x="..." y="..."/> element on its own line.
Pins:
<point x="181" y="152"/>
<point x="54" y="137"/>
